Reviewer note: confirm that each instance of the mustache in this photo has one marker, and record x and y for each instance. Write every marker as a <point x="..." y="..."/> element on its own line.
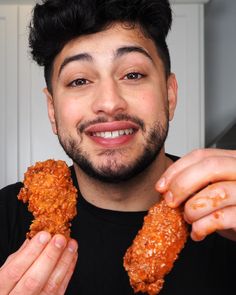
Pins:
<point x="119" y="117"/>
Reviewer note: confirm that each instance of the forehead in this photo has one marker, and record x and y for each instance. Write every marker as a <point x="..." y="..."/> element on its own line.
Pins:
<point x="106" y="42"/>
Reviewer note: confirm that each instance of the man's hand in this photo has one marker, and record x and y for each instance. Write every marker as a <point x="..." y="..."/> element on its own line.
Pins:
<point x="205" y="181"/>
<point x="43" y="265"/>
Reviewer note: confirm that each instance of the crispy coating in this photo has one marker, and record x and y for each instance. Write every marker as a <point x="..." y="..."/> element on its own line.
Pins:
<point x="51" y="195"/>
<point x="155" y="248"/>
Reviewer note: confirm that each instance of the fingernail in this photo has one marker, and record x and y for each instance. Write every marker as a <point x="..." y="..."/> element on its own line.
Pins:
<point x="44" y="238"/>
<point x="72" y="246"/>
<point x="169" y="198"/>
<point x="59" y="242"/>
<point x="161" y="183"/>
<point x="197" y="237"/>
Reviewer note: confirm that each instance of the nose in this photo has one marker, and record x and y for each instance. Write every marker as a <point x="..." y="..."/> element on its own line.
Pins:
<point x="108" y="98"/>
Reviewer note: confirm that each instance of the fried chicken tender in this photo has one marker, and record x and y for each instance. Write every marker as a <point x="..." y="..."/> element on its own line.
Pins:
<point x="52" y="197"/>
<point x="155" y="248"/>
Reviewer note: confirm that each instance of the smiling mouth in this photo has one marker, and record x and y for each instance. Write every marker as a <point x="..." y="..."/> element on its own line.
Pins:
<point x="113" y="134"/>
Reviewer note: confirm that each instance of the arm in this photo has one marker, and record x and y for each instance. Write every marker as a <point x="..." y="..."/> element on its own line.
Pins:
<point x="43" y="265"/>
<point x="205" y="182"/>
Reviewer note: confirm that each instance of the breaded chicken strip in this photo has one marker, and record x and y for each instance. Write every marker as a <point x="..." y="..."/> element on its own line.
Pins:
<point x="155" y="248"/>
<point x="51" y="195"/>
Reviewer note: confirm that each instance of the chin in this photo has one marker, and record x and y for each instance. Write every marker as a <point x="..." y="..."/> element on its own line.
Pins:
<point x="116" y="171"/>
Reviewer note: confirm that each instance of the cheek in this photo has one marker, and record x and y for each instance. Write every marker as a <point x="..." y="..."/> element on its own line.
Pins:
<point x="68" y="113"/>
<point x="152" y="106"/>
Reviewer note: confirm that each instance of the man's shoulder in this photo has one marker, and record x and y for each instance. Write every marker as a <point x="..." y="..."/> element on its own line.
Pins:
<point x="10" y="191"/>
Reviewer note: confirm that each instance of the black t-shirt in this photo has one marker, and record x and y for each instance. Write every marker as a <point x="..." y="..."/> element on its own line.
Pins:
<point x="206" y="268"/>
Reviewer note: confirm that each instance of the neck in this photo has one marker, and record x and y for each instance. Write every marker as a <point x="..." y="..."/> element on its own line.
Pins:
<point x="136" y="194"/>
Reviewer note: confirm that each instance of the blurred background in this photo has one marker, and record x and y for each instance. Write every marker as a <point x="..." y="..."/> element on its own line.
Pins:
<point x="220" y="73"/>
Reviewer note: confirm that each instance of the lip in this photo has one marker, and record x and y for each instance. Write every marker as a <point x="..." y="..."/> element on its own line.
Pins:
<point x="109" y="143"/>
<point x="111" y="126"/>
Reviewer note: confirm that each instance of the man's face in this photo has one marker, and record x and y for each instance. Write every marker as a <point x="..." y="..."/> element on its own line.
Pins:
<point x="111" y="102"/>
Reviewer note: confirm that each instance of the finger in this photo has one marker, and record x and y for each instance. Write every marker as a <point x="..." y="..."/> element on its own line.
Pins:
<point x="62" y="268"/>
<point x="188" y="160"/>
<point x="210" y="199"/>
<point x="222" y="219"/>
<point x="38" y="274"/>
<point x="12" y="256"/>
<point x="22" y="246"/>
<point x="68" y="276"/>
<point x="14" y="269"/>
<point x="198" y="176"/>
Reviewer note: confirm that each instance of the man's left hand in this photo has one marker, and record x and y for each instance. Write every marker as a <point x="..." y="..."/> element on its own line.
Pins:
<point x="205" y="182"/>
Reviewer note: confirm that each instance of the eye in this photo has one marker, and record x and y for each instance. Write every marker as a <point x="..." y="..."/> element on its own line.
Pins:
<point x="79" y="82"/>
<point x="133" y="76"/>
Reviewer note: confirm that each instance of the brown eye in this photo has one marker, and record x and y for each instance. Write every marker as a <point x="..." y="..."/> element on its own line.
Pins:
<point x="133" y="76"/>
<point x="79" y="82"/>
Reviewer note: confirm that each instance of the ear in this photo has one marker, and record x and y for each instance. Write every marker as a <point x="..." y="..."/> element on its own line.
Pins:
<point x="51" y="110"/>
<point x="172" y="90"/>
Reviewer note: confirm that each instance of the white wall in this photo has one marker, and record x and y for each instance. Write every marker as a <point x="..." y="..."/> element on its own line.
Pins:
<point x="220" y="65"/>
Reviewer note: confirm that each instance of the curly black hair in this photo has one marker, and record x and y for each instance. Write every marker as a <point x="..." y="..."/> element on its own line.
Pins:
<point x="56" y="22"/>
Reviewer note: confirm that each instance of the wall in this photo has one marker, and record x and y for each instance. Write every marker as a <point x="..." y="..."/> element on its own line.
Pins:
<point x="220" y="61"/>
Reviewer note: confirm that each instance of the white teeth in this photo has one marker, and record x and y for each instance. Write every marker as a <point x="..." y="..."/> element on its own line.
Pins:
<point x="113" y="134"/>
<point x="108" y="134"/>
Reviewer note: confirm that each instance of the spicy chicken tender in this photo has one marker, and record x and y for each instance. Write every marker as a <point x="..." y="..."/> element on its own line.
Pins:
<point x="155" y="248"/>
<point x="52" y="197"/>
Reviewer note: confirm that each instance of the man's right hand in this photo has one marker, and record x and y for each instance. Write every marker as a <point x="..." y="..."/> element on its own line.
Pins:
<point x="42" y="266"/>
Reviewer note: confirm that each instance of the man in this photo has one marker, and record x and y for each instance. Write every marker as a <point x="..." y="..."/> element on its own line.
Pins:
<point x="110" y="95"/>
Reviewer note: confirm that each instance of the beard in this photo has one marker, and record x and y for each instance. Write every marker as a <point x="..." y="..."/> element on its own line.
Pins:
<point x="113" y="171"/>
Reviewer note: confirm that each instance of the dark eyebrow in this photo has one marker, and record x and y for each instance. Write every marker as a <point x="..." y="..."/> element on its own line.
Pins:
<point x="128" y="49"/>
<point x="77" y="57"/>
<point x="119" y="53"/>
